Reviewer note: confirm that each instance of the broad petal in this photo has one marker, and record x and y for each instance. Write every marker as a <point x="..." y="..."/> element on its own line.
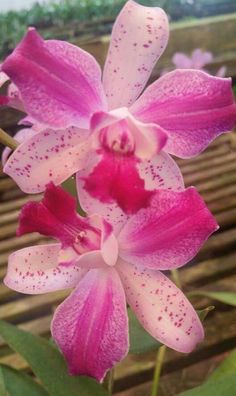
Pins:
<point x="139" y="37"/>
<point x="169" y="233"/>
<point x="191" y="106"/>
<point x="42" y="269"/>
<point x="60" y="84"/>
<point x="20" y="136"/>
<point x="159" y="172"/>
<point x="91" y="326"/>
<point x="162" y="309"/>
<point x="48" y="156"/>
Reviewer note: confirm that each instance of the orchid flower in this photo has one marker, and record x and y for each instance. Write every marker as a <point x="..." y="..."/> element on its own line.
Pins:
<point x="106" y="268"/>
<point x="197" y="60"/>
<point x="118" y="140"/>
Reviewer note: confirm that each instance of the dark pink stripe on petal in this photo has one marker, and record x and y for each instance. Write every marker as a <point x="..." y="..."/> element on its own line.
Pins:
<point x="193" y="108"/>
<point x="60" y="84"/>
<point x="91" y="326"/>
<point x="169" y="233"/>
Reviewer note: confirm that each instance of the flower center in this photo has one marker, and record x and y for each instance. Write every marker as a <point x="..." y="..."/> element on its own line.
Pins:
<point x="117" y="138"/>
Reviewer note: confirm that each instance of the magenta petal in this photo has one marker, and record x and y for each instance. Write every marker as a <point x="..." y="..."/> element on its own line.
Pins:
<point x="116" y="178"/>
<point x="162" y="308"/>
<point x="91" y="325"/>
<point x="169" y="233"/>
<point x="193" y="108"/>
<point x="42" y="269"/>
<point x="56" y="216"/>
<point x="60" y="84"/>
<point x="159" y="172"/>
<point x="48" y="156"/>
<point x="139" y="37"/>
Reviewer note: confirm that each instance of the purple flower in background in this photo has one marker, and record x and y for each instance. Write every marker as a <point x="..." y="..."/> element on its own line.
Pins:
<point x="197" y="60"/>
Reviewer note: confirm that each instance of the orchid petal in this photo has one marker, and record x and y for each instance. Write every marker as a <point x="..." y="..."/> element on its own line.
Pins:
<point x="48" y="156"/>
<point x="191" y="106"/>
<point x="116" y="178"/>
<point x="119" y="128"/>
<point x="159" y="172"/>
<point x="109" y="211"/>
<point x="139" y="37"/>
<point x="201" y="58"/>
<point x="60" y="84"/>
<point x="109" y="244"/>
<point x="169" y="233"/>
<point x="181" y="61"/>
<point x="14" y="97"/>
<point x="91" y="327"/>
<point x="161" y="307"/>
<point x="55" y="215"/>
<point x="20" y="137"/>
<point x="42" y="269"/>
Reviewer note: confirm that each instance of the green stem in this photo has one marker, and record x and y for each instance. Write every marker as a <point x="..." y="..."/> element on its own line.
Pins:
<point x="157" y="372"/>
<point x="7" y="140"/>
<point x="109" y="381"/>
<point x="176" y="278"/>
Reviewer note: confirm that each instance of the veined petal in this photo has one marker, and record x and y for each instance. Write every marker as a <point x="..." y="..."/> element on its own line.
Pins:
<point x="162" y="309"/>
<point x="20" y="136"/>
<point x="91" y="326"/>
<point x="193" y="108"/>
<point x="48" y="156"/>
<point x="42" y="269"/>
<point x="139" y="37"/>
<point x="168" y="233"/>
<point x="60" y="84"/>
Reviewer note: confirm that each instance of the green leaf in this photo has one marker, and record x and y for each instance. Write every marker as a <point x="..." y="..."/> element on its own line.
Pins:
<point x="48" y="364"/>
<point x="225" y="386"/>
<point x="224" y="297"/>
<point x="3" y="391"/>
<point x="19" y="384"/>
<point x="228" y="366"/>
<point x="140" y="340"/>
<point x="204" y="312"/>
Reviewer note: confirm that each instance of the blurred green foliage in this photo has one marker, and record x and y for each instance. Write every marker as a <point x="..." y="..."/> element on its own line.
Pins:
<point x="69" y="14"/>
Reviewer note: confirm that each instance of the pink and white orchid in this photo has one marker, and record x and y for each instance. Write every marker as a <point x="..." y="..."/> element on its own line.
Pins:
<point x="107" y="267"/>
<point x="117" y="139"/>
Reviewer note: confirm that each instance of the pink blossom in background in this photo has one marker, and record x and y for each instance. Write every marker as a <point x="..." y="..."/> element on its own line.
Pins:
<point x="108" y="267"/>
<point x="103" y="127"/>
<point x="197" y="60"/>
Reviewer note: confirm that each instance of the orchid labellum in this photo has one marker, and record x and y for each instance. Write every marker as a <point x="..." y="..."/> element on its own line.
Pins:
<point x="107" y="267"/>
<point x="115" y="137"/>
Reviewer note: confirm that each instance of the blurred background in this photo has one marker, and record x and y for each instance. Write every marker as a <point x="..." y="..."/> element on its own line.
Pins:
<point x="203" y="35"/>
